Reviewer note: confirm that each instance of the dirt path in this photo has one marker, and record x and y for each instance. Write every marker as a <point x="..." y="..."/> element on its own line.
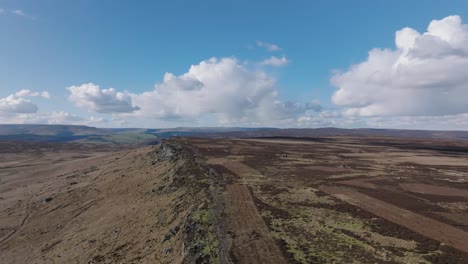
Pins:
<point x="433" y="189"/>
<point x="426" y="226"/>
<point x="252" y="242"/>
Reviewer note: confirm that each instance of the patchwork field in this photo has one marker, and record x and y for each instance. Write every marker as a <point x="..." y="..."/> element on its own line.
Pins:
<point x="343" y="199"/>
<point x="270" y="200"/>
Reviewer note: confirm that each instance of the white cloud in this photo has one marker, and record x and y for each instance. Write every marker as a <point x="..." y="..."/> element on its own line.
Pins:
<point x="275" y="61"/>
<point x="55" y="117"/>
<point x="336" y="118"/>
<point x="18" y="12"/>
<point x="325" y="119"/>
<point x="91" y="97"/>
<point x="23" y="93"/>
<point x="16" y="104"/>
<point x="61" y="117"/>
<point x="29" y="93"/>
<point x="268" y="46"/>
<point x="45" y="95"/>
<point x="221" y="88"/>
<point x="426" y="75"/>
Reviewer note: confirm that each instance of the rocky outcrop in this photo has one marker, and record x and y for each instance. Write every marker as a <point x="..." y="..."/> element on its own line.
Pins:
<point x="202" y="232"/>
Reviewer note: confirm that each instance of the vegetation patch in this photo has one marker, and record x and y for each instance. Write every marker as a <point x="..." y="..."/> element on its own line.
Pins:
<point x="315" y="232"/>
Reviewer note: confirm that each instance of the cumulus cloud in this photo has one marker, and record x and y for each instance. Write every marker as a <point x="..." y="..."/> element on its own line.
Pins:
<point x="16" y="104"/>
<point x="93" y="98"/>
<point x="221" y="88"/>
<point x="268" y="46"/>
<point x="426" y="74"/>
<point x="275" y="61"/>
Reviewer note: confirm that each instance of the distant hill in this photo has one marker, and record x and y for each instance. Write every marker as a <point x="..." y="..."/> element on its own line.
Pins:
<point x="331" y="131"/>
<point x="70" y="133"/>
<point x="49" y="133"/>
<point x="50" y="130"/>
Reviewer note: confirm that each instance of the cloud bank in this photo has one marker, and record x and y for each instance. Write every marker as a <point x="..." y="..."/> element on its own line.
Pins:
<point x="425" y="75"/>
<point x="219" y="90"/>
<point x="219" y="87"/>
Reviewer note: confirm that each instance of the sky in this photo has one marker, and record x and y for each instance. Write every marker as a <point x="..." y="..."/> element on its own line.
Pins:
<point x="153" y="64"/>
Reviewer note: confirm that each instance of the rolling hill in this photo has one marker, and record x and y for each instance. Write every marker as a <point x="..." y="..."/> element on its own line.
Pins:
<point x="70" y="133"/>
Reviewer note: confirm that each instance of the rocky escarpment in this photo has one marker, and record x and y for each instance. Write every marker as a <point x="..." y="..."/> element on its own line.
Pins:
<point x="202" y="233"/>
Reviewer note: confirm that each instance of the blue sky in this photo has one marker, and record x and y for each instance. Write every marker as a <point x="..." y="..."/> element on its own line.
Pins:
<point x="130" y="45"/>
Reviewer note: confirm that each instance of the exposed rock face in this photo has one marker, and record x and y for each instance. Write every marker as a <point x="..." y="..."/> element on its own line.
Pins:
<point x="149" y="204"/>
<point x="202" y="239"/>
<point x="167" y="151"/>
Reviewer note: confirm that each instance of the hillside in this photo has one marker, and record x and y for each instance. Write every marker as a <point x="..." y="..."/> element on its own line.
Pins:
<point x="97" y="204"/>
<point x="70" y="133"/>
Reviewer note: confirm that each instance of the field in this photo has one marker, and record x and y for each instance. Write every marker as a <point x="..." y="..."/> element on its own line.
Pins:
<point x="343" y="199"/>
<point x="259" y="200"/>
